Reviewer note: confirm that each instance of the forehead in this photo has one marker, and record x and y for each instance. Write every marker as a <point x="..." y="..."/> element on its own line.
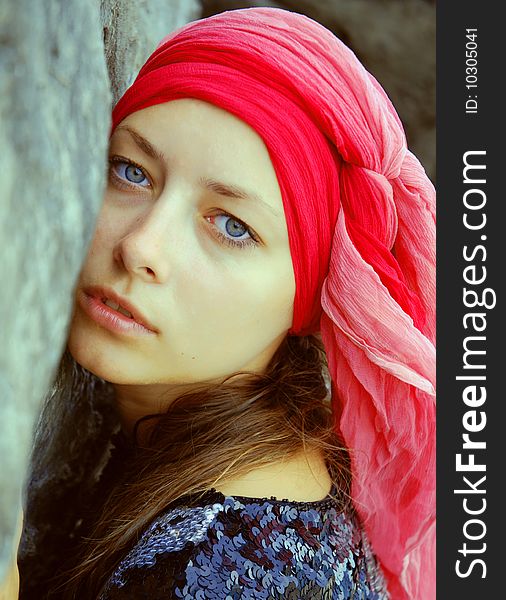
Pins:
<point x="199" y="136"/>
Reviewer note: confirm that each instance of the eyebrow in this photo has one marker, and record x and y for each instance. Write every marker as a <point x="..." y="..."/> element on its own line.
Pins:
<point x="218" y="187"/>
<point x="143" y="143"/>
<point x="233" y="191"/>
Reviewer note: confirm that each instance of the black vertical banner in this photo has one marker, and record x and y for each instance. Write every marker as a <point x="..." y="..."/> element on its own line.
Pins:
<point x="471" y="430"/>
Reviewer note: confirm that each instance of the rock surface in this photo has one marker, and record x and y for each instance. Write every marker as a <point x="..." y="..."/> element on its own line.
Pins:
<point x="55" y="102"/>
<point x="52" y="124"/>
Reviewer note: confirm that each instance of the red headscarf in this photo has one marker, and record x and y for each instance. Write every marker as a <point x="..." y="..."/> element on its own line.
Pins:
<point x="361" y="226"/>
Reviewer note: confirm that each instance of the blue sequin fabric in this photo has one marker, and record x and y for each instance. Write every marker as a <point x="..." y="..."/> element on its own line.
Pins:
<point x="239" y="548"/>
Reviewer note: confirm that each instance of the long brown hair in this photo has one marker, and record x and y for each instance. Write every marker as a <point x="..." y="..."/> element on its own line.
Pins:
<point x="207" y="436"/>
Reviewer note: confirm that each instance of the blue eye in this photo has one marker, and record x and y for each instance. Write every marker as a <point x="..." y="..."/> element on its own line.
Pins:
<point x="233" y="227"/>
<point x="233" y="232"/>
<point x="127" y="171"/>
<point x="228" y="229"/>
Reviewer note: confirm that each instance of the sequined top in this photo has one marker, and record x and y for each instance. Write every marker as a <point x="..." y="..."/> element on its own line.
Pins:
<point x="237" y="547"/>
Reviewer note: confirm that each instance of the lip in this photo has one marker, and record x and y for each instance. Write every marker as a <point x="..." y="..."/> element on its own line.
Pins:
<point x="90" y="300"/>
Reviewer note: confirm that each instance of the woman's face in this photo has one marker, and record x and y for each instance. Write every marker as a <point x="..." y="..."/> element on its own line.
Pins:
<point x="211" y="272"/>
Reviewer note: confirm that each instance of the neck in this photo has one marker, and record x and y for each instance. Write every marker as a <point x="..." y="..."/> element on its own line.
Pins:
<point x="136" y="401"/>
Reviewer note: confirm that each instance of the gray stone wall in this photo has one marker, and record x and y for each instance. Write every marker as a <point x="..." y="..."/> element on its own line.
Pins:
<point x="52" y="124"/>
<point x="55" y="102"/>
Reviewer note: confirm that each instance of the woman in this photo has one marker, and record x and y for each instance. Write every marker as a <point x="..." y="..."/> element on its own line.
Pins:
<point x="263" y="216"/>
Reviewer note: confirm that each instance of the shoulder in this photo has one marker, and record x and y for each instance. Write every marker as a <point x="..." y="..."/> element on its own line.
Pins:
<point x="229" y="545"/>
<point x="300" y="477"/>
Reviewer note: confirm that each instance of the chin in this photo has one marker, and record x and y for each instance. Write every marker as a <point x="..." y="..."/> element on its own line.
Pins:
<point x="92" y="359"/>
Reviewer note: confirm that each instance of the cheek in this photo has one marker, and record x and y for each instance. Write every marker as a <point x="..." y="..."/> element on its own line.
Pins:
<point x="111" y="225"/>
<point x="248" y="299"/>
<point x="279" y="300"/>
<point x="103" y="234"/>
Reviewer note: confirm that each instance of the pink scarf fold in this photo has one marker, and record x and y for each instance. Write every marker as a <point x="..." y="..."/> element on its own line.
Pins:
<point x="360" y="213"/>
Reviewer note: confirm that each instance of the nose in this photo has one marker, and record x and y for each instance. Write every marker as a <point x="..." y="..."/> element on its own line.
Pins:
<point x="145" y="251"/>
